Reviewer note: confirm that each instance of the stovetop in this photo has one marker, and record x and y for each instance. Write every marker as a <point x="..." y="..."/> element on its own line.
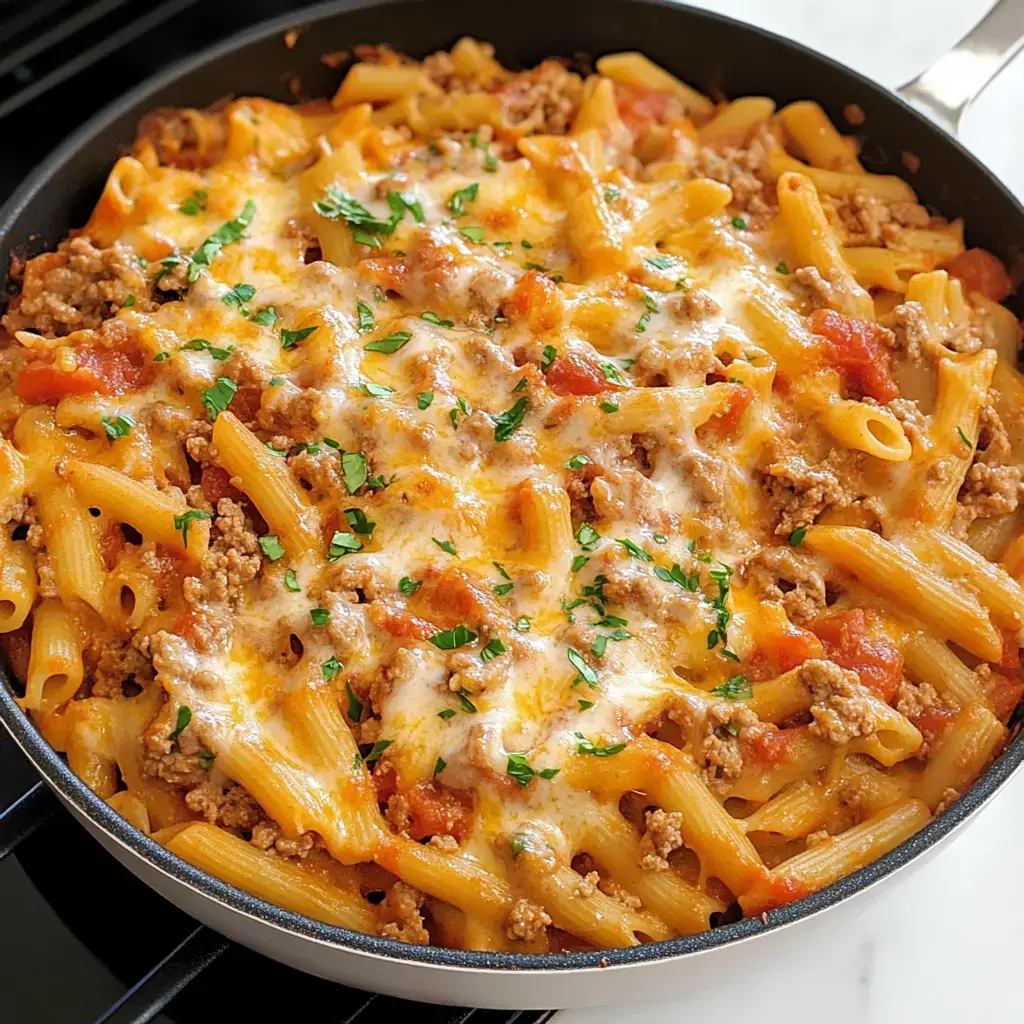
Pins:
<point x="81" y="939"/>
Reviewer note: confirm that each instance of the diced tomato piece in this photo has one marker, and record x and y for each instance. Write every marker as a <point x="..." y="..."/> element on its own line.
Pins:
<point x="726" y="421"/>
<point x="638" y="108"/>
<point x="855" y="640"/>
<point x="437" y="810"/>
<point x="112" y="543"/>
<point x="794" y="645"/>
<point x="857" y="351"/>
<point x="536" y="300"/>
<point x="574" y="374"/>
<point x="45" y="384"/>
<point x="401" y="624"/>
<point x="980" y="271"/>
<point x="768" y="747"/>
<point x="106" y="371"/>
<point x="1005" y="694"/>
<point x="451" y="596"/>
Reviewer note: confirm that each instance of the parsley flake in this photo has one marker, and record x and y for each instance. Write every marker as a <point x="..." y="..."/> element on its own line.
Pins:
<point x="586" y="747"/>
<point x="181" y="722"/>
<point x="444" y="545"/>
<point x="202" y="345"/>
<point x="183" y="522"/>
<point x="226" y="234"/>
<point x="408" y="586"/>
<point x="433" y="318"/>
<point x="272" y="547"/>
<point x="423" y="399"/>
<point x="389" y="345"/>
<point x="458" y="199"/>
<point x="289" y="339"/>
<point x="290" y="581"/>
<point x="330" y="668"/>
<point x="452" y="639"/>
<point x="218" y="398"/>
<point x="355" y="705"/>
<point x="319" y="616"/>
<point x="737" y="688"/>
<point x="117" y="426"/>
<point x="506" y="423"/>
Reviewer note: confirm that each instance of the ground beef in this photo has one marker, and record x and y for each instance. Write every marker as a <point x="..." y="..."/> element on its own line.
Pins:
<point x="746" y="172"/>
<point x="692" y="304"/>
<point x="798" y="492"/>
<point x="634" y="586"/>
<point x="117" y="663"/>
<point x="449" y="844"/>
<point x="727" y="725"/>
<point x="76" y="287"/>
<point x="175" y="136"/>
<point x="990" y="491"/>
<point x="948" y="798"/>
<point x="834" y="292"/>
<point x="292" y="411"/>
<point x="660" y="364"/>
<point x="227" y="805"/>
<point x="915" y="336"/>
<point x="627" y="494"/>
<point x="663" y="835"/>
<point x="471" y="675"/>
<point x="544" y="99"/>
<point x="914" y="701"/>
<point x="400" y="915"/>
<point x="841" y="708"/>
<point x="915" y="423"/>
<point x="581" y="503"/>
<point x="526" y="921"/>
<point x="267" y="835"/>
<point x="869" y="221"/>
<point x="704" y="473"/>
<point x="234" y="558"/>
<point x="784" y="575"/>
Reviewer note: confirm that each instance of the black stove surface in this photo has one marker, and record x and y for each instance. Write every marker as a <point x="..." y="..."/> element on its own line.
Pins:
<point x="81" y="939"/>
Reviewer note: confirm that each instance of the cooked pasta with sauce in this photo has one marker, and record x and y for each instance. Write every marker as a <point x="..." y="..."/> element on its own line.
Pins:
<point x="514" y="510"/>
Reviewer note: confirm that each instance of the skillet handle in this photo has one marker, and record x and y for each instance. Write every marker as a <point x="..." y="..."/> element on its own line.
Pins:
<point x="945" y="90"/>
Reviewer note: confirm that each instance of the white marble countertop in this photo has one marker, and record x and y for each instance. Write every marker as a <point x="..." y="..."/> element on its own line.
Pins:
<point x="941" y="943"/>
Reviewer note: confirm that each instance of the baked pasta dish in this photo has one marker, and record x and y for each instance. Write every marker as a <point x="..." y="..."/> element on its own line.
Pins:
<point x="528" y="511"/>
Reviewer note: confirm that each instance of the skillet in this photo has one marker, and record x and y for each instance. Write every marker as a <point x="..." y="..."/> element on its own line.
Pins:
<point x="719" y="56"/>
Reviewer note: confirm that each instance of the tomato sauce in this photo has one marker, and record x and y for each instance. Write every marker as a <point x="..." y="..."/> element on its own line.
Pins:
<point x="573" y="374"/>
<point x="536" y="300"/>
<point x="979" y="271"/>
<point x="104" y="371"/>
<point x="437" y="810"/>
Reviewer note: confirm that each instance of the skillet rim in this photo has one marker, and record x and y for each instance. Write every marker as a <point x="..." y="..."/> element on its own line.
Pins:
<point x="59" y="776"/>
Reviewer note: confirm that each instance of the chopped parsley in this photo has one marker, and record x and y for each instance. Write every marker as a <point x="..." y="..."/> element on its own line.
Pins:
<point x="490" y="160"/>
<point x="218" y="398"/>
<point x="661" y="262"/>
<point x="183" y="522"/>
<point x="465" y="703"/>
<point x="737" y="688"/>
<point x="599" y="646"/>
<point x="353" y="469"/>
<point x="609" y="406"/>
<point x="461" y="405"/>
<point x="444" y="545"/>
<point x="781" y="268"/>
<point x="365" y="227"/>
<point x="719" y="633"/>
<point x="634" y="549"/>
<point x="378" y="390"/>
<point x="343" y="544"/>
<point x="423" y="399"/>
<point x="193" y="203"/>
<point x="389" y="345"/>
<point x="117" y="426"/>
<point x="181" y="722"/>
<point x="587" y="537"/>
<point x="330" y="668"/>
<point x="611" y="372"/>
<point x="583" y="670"/>
<point x="289" y="339"/>
<point x="501" y="589"/>
<point x="578" y="562"/>
<point x="365" y="318"/>
<point x="612" y="193"/>
<point x="586" y="747"/>
<point x="238" y="297"/>
<point x="355" y="705"/>
<point x="523" y="624"/>
<point x="408" y="586"/>
<point x="226" y="234"/>
<point x="320" y="616"/>
<point x="549" y="355"/>
<point x="378" y="748"/>
<point x="520" y="842"/>
<point x="129" y="302"/>
<point x="577" y="462"/>
<point x="492" y="649"/>
<point x="650" y="307"/>
<point x="691" y="584"/>
<point x="265" y="317"/>
<point x="963" y="438"/>
<point x="202" y="345"/>
<point x="290" y="582"/>
<point x="205" y="760"/>
<point x="506" y="423"/>
<point x="474" y="234"/>
<point x="359" y="523"/>
<point x="161" y="356"/>
<point x="739" y="223"/>
<point x="519" y="769"/>
<point x="275" y="382"/>
<point x="452" y="639"/>
<point x="433" y="318"/>
<point x="585" y="705"/>
<point x="458" y="199"/>
<point x="439" y="766"/>
<point x="521" y="385"/>
<point x="272" y="547"/>
<point x="446" y="714"/>
<point x="797" y="536"/>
